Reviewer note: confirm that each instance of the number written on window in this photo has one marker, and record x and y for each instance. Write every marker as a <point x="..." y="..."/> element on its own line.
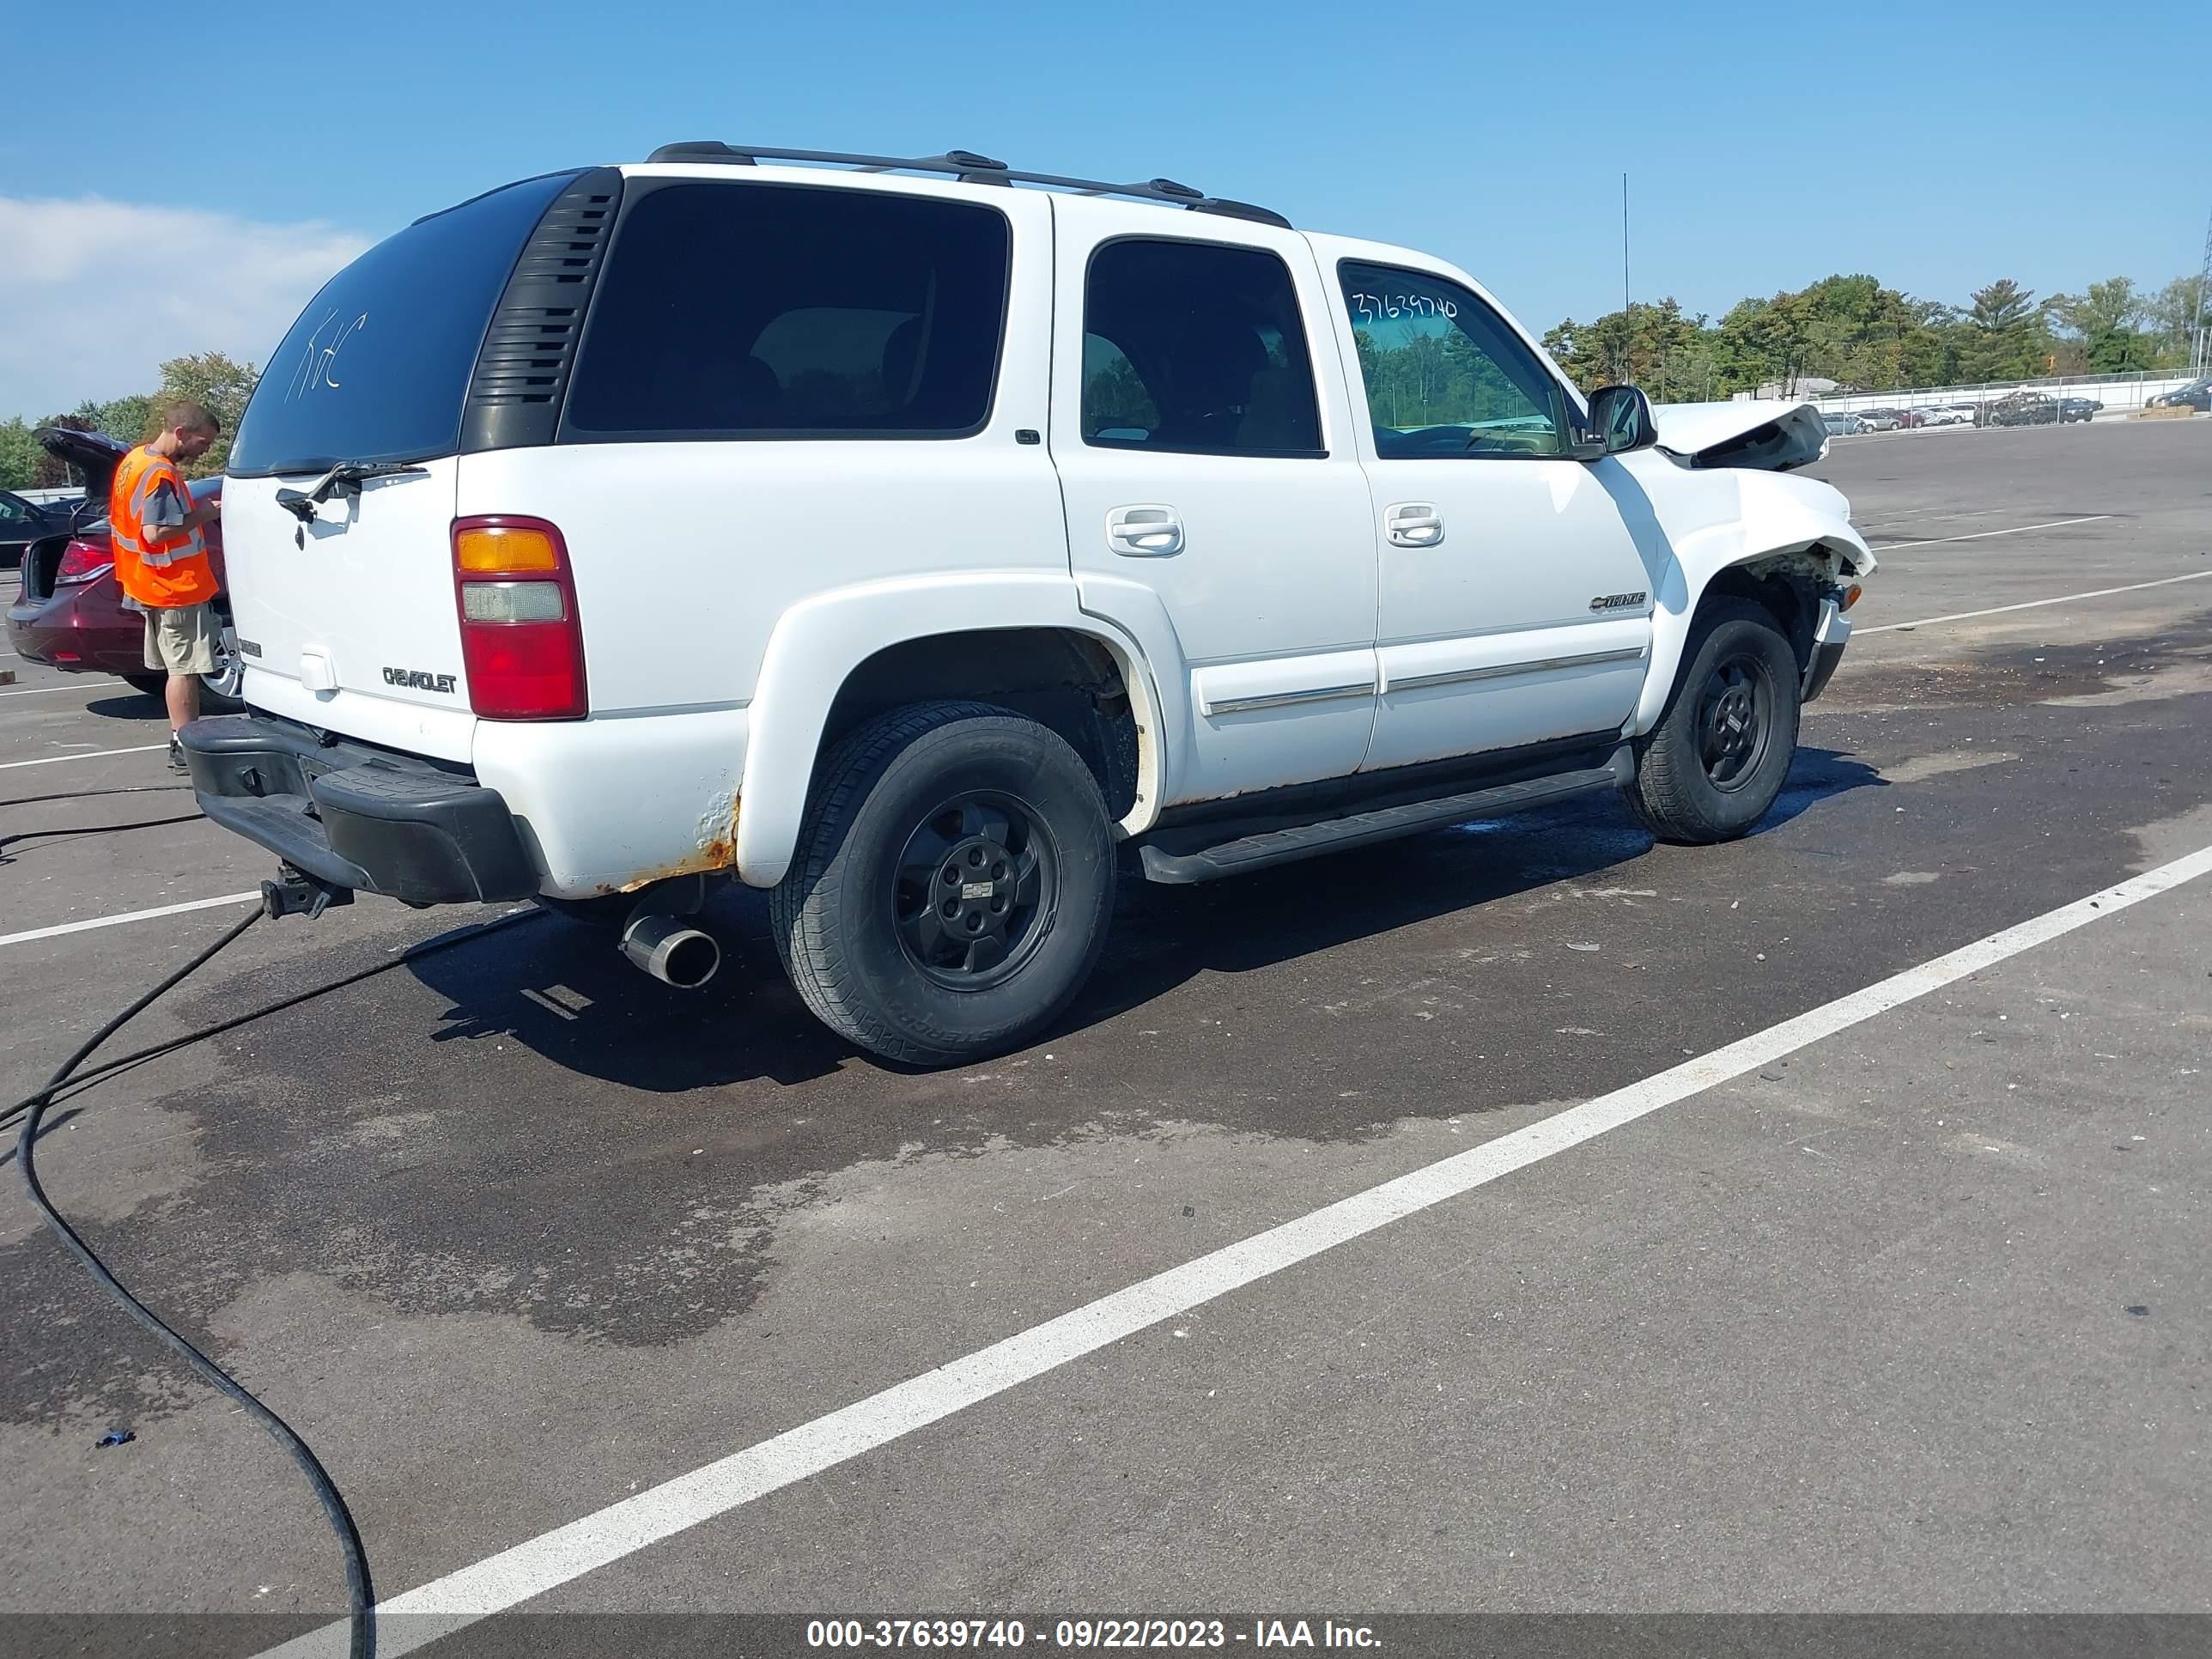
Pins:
<point x="1370" y="307"/>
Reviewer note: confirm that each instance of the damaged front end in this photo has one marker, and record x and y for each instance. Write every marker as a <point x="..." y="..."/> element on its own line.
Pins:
<point x="1763" y="436"/>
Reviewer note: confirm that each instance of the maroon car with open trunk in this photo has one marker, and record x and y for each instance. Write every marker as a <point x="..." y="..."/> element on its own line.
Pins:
<point x="69" y="614"/>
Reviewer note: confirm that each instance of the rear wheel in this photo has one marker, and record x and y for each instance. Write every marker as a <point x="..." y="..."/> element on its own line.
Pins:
<point x="952" y="885"/>
<point x="152" y="685"/>
<point x="1722" y="749"/>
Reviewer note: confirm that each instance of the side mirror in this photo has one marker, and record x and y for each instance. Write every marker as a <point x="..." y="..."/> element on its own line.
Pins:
<point x="1620" y="419"/>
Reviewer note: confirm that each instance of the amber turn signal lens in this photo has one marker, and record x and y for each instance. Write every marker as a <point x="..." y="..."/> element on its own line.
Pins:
<point x="1851" y="596"/>
<point x="499" y="548"/>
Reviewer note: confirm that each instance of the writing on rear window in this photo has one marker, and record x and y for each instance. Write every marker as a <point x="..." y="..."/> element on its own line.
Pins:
<point x="396" y="335"/>
<point x="318" y="364"/>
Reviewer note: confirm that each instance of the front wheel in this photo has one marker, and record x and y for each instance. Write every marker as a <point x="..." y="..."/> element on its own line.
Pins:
<point x="1714" y="763"/>
<point x="952" y="885"/>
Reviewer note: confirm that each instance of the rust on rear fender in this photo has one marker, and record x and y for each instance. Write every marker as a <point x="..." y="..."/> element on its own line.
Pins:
<point x="717" y="850"/>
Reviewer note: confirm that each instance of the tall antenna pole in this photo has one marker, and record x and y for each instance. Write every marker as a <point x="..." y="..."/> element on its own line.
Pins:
<point x="2200" y="357"/>
<point x="1624" y="245"/>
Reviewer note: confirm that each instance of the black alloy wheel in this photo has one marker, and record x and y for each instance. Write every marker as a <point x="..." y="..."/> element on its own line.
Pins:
<point x="1735" y="718"/>
<point x="976" y="891"/>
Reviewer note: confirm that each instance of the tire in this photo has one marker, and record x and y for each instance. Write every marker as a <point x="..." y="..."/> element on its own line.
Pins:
<point x="152" y="685"/>
<point x="899" y="808"/>
<point x="1713" y="765"/>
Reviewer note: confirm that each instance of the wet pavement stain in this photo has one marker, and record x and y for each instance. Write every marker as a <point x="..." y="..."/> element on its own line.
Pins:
<point x="527" y="1127"/>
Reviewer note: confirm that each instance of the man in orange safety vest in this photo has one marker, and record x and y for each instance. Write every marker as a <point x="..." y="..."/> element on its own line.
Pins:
<point x="161" y="559"/>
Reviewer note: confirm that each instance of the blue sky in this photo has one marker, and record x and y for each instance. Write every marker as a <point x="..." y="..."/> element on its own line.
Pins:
<point x="1936" y="145"/>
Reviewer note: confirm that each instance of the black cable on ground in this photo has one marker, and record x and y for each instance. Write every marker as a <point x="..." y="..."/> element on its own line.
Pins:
<point x="360" y="1594"/>
<point x="87" y="794"/>
<point x="7" y="841"/>
<point x="79" y="1081"/>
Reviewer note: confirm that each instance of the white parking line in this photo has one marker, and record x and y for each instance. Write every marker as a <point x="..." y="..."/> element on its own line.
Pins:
<point x="1891" y="524"/>
<point x="40" y="690"/>
<point x="89" y="754"/>
<point x="1984" y="535"/>
<point x="86" y="927"/>
<point x="436" y="1609"/>
<point x="2032" y="604"/>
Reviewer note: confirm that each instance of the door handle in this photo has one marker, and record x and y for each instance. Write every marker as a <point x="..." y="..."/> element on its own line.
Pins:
<point x="1412" y="524"/>
<point x="1144" y="532"/>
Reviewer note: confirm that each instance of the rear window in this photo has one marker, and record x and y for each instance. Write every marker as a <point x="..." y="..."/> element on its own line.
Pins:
<point x="377" y="368"/>
<point x="749" y="310"/>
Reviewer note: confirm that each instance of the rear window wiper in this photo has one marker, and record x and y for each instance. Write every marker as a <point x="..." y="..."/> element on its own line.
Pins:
<point x="345" y="474"/>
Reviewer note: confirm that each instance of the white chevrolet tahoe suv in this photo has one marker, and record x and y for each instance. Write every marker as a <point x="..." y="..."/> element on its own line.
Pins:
<point x="925" y="542"/>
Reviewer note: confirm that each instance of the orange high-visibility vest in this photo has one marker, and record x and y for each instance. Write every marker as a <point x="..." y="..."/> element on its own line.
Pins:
<point x="160" y="568"/>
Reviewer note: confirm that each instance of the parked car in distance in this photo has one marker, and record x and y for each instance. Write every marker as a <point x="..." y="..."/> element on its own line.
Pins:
<point x="1842" y="424"/>
<point x="1878" y="419"/>
<point x="2196" y="395"/>
<point x="1907" y="418"/>
<point x="2021" y="409"/>
<point x="23" y="522"/>
<point x="69" y="613"/>
<point x="1124" y="563"/>
<point x="2078" y="408"/>
<point x="1950" y="415"/>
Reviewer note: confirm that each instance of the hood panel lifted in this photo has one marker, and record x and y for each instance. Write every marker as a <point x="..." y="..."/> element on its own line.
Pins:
<point x="1766" y="436"/>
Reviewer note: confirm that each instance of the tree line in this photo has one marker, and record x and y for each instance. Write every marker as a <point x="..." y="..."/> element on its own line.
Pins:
<point x="1853" y="331"/>
<point x="220" y="383"/>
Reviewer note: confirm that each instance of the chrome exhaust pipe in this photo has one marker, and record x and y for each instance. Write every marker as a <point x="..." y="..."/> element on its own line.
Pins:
<point x="671" y="951"/>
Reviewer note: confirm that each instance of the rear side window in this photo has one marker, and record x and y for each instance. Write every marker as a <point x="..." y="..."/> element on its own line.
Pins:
<point x="377" y="368"/>
<point x="1196" y="347"/>
<point x="744" y="310"/>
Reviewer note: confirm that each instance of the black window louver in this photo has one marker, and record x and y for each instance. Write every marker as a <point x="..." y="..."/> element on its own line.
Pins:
<point x="522" y="371"/>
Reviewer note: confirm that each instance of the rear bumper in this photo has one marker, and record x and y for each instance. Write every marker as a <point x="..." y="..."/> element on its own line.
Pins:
<point x="49" y="633"/>
<point x="1829" y="638"/>
<point x="357" y="817"/>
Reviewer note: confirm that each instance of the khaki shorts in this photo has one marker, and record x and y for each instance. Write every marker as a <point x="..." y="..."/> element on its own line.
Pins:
<point x="181" y="638"/>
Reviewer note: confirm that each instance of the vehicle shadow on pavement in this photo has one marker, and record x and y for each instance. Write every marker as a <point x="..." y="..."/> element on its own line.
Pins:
<point x="140" y="706"/>
<point x="1166" y="935"/>
<point x="563" y="989"/>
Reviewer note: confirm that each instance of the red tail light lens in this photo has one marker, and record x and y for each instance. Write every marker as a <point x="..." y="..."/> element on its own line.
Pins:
<point x="83" y="562"/>
<point x="521" y="639"/>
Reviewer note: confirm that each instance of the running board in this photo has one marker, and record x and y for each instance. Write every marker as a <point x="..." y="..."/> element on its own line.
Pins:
<point x="1257" y="852"/>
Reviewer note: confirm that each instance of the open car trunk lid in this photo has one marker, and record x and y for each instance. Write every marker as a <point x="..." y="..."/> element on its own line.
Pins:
<point x="94" y="455"/>
<point x="1765" y="435"/>
<point x="345" y="607"/>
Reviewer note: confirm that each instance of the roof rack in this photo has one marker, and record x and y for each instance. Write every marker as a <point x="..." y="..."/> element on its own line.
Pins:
<point x="970" y="168"/>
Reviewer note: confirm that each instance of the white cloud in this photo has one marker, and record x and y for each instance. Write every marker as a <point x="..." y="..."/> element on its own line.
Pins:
<point x="95" y="295"/>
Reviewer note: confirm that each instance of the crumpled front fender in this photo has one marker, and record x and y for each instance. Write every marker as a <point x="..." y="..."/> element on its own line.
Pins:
<point x="1712" y="520"/>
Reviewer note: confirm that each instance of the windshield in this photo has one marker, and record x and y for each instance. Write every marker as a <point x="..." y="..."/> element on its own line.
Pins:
<point x="377" y="366"/>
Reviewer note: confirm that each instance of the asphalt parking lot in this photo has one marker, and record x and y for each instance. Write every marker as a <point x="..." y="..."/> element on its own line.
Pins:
<point x="1906" y="1315"/>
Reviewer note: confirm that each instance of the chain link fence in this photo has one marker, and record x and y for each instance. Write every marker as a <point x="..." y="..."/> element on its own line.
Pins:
<point x="2120" y="394"/>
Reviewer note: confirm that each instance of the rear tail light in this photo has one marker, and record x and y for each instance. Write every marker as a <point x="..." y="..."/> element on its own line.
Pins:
<point x="83" y="562"/>
<point x="521" y="641"/>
